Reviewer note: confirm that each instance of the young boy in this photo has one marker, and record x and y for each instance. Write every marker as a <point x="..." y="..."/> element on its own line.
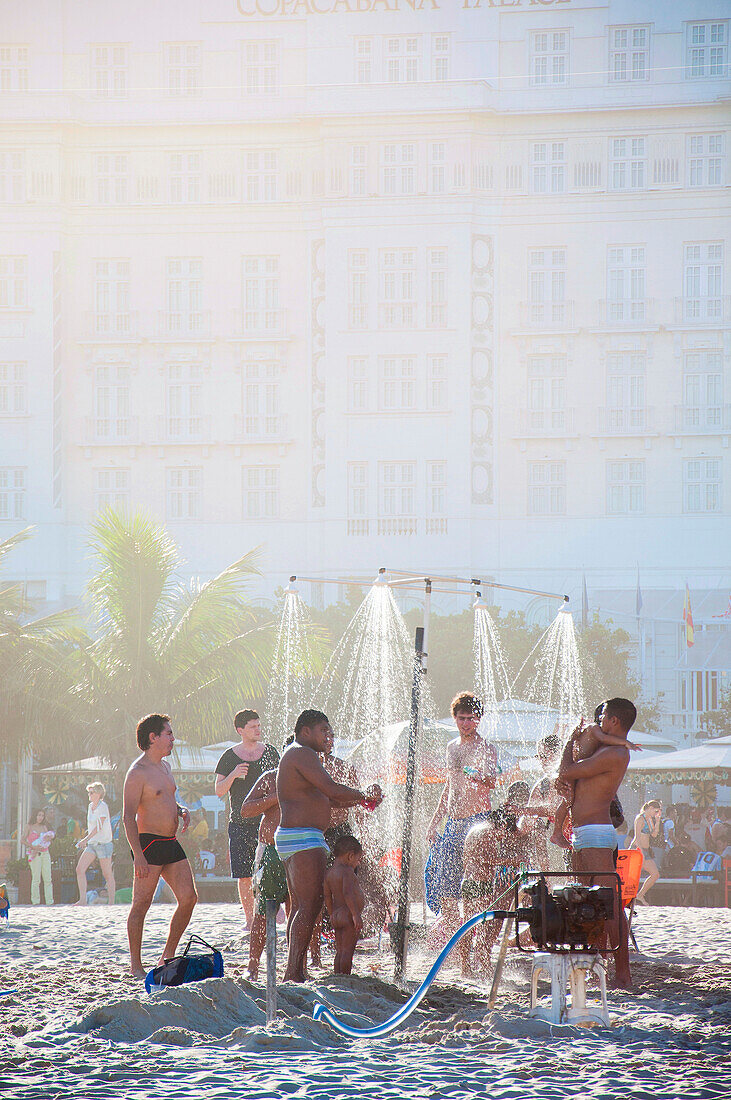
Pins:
<point x="586" y="740"/>
<point x="345" y="900"/>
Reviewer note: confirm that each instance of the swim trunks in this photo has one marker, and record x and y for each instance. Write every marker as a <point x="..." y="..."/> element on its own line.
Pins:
<point x="242" y="841"/>
<point x="451" y="869"/>
<point x="594" y="836"/>
<point x="291" y="841"/>
<point x="270" y="879"/>
<point x="161" y="850"/>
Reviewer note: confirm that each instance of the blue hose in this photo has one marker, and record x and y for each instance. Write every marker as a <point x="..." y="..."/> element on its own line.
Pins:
<point x="321" y="1012"/>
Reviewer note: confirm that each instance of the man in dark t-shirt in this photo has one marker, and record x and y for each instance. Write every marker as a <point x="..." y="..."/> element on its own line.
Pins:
<point x="236" y="773"/>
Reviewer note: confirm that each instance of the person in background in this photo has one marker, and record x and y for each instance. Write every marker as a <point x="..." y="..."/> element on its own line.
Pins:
<point x="97" y="843"/>
<point x="647" y="828"/>
<point x="38" y="837"/>
<point x="236" y="773"/>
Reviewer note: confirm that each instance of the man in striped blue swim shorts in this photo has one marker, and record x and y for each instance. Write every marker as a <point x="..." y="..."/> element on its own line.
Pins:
<point x="306" y="792"/>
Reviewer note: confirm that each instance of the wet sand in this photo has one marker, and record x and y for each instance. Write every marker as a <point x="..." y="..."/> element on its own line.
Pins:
<point x="80" y="1026"/>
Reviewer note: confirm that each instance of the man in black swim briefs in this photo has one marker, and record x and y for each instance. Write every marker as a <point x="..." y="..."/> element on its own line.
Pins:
<point x="150" y="814"/>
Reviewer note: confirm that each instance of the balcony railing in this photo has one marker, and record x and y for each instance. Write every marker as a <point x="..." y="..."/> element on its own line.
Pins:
<point x="702" y="419"/>
<point x="261" y="429"/>
<point x="184" y="324"/>
<point x="547" y="316"/>
<point x="625" y="312"/>
<point x="625" y="420"/>
<point x="547" y="422"/>
<point x="113" y="326"/>
<point x="703" y="311"/>
<point x="111" y="430"/>
<point x="359" y="527"/>
<point x="185" y="429"/>
<point x="435" y="525"/>
<point x="397" y="525"/>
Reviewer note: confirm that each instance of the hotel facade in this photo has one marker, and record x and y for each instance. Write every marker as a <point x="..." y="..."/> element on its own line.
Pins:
<point x="430" y="285"/>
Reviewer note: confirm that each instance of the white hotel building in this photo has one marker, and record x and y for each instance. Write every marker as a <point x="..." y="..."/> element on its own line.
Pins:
<point x="432" y="284"/>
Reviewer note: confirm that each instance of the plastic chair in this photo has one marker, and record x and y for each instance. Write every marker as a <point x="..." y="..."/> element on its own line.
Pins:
<point x="629" y="869"/>
<point x="568" y="973"/>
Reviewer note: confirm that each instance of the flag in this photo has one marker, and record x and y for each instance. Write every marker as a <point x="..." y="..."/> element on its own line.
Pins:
<point x="638" y="597"/>
<point x="584" y="605"/>
<point x="688" y="619"/>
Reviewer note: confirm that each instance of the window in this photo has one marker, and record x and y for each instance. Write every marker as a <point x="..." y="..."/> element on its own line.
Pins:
<point x="398" y="384"/>
<point x="185" y="177"/>
<point x="363" y="60"/>
<point x="397" y="288"/>
<point x="399" y="169"/>
<point x="261" y="400"/>
<point x="627" y="163"/>
<point x="625" y="488"/>
<point x="436" y="381"/>
<point x="13" y="389"/>
<point x="111" y="403"/>
<point x="397" y="489"/>
<point x="437" y="167"/>
<point x="549" y="58"/>
<point x="260" y="67"/>
<point x="183" y="401"/>
<point x="12" y="492"/>
<point x="547" y="285"/>
<point x="547" y="393"/>
<point x="402" y="60"/>
<point x="440" y="57"/>
<point x="357" y="385"/>
<point x="184" y="492"/>
<point x="110" y="69"/>
<point x="261" y="492"/>
<point x="357" y="289"/>
<point x="702" y="485"/>
<point x="629" y="53"/>
<point x="703" y="279"/>
<point x="261" y="294"/>
<point x="112" y="178"/>
<point x="546" y="488"/>
<point x="12" y="177"/>
<point x="626" y="284"/>
<point x="182" y="64"/>
<point x="13" y="282"/>
<point x="357" y="489"/>
<point x="260" y="176"/>
<point x="437" y="287"/>
<point x="358" y="170"/>
<point x="626" y="408"/>
<point x="706" y="50"/>
<point x="111" y="488"/>
<point x="706" y="160"/>
<point x="549" y="167"/>
<point x="184" y="296"/>
<point x="13" y="68"/>
<point x="703" y="390"/>
<point x="111" y="297"/>
<point x="436" y="488"/>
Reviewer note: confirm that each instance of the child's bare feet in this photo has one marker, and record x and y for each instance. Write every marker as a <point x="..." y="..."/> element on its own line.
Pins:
<point x="559" y="839"/>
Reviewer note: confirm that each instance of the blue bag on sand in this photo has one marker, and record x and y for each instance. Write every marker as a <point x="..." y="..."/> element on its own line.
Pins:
<point x="433" y="876"/>
<point x="186" y="968"/>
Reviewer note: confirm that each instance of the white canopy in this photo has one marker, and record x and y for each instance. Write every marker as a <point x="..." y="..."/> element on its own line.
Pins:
<point x="709" y="761"/>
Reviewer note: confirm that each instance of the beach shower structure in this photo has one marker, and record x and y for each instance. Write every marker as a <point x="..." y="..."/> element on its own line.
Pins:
<point x="422" y="585"/>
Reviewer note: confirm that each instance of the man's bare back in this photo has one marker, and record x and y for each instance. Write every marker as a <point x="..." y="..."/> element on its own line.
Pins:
<point x="262" y="799"/>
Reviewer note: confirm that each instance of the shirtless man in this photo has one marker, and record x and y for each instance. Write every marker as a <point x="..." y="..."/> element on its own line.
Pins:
<point x="594" y="782"/>
<point x="150" y="815"/>
<point x="305" y="791"/>
<point x="471" y="775"/>
<point x="269" y="875"/>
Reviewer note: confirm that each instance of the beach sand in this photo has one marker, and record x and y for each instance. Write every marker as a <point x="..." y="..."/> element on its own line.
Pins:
<point x="79" y="1026"/>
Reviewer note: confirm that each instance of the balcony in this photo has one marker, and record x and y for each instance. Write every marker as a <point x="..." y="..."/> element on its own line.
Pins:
<point x="546" y="316"/>
<point x="397" y="525"/>
<point x="703" y="311"/>
<point x="436" y="525"/>
<point x="625" y="420"/>
<point x="112" y="326"/>
<point x="261" y="429"/>
<point x="111" y="431"/>
<point x="537" y="423"/>
<point x="359" y="527"/>
<point x="702" y="419"/>
<point x="259" y="324"/>
<point x="184" y="429"/>
<point x="625" y="313"/>
<point x="184" y="324"/>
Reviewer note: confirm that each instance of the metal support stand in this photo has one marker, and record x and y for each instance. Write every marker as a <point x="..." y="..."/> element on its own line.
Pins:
<point x="271" y="930"/>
